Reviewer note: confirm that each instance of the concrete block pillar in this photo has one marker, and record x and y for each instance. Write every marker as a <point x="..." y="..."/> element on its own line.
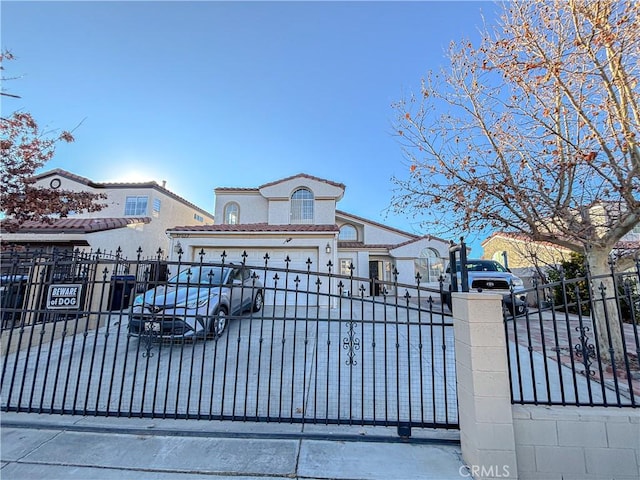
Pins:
<point x="484" y="397"/>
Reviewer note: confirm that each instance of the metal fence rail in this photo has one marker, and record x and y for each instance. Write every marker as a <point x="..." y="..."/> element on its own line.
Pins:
<point x="323" y="353"/>
<point x="557" y="355"/>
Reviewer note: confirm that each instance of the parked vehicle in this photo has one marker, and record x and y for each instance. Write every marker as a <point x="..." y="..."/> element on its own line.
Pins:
<point x="12" y="293"/>
<point x="488" y="276"/>
<point x="196" y="302"/>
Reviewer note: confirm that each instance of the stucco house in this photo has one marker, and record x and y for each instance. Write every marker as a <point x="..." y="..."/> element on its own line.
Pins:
<point x="296" y="222"/>
<point x="136" y="216"/>
<point x="520" y="249"/>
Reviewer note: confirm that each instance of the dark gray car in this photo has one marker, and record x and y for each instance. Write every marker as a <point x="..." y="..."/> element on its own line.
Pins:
<point x="196" y="302"/>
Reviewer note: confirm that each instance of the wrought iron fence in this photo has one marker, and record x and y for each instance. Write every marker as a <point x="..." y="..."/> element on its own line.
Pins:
<point x="91" y="334"/>
<point x="578" y="344"/>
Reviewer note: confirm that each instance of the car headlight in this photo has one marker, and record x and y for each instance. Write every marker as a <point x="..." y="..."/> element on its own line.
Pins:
<point x="197" y="302"/>
<point x="517" y="282"/>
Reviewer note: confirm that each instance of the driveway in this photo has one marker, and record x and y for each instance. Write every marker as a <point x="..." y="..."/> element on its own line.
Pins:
<point x="355" y="365"/>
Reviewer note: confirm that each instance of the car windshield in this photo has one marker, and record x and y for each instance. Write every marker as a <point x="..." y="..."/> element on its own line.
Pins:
<point x="201" y="275"/>
<point x="482" y="266"/>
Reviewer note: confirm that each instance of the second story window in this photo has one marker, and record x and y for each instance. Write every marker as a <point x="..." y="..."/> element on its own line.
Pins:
<point x="302" y="206"/>
<point x="156" y="207"/>
<point x="231" y="213"/>
<point x="136" y="206"/>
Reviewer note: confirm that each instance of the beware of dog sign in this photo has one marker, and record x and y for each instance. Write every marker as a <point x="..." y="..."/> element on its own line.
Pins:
<point x="64" y="296"/>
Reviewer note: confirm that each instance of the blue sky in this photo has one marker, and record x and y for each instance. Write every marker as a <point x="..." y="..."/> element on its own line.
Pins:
<point x="231" y="94"/>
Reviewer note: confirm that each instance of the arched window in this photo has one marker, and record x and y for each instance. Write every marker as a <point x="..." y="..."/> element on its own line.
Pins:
<point x="429" y="265"/>
<point x="231" y="213"/>
<point x="302" y="206"/>
<point x="348" y="233"/>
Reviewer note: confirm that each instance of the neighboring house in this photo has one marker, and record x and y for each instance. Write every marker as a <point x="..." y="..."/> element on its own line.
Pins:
<point x="136" y="216"/>
<point x="520" y="249"/>
<point x="296" y="219"/>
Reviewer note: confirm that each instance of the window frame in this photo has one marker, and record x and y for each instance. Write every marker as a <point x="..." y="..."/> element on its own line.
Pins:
<point x="156" y="207"/>
<point x="351" y="227"/>
<point x="132" y="205"/>
<point x="302" y="209"/>
<point x="345" y="266"/>
<point x="227" y="213"/>
<point x="429" y="264"/>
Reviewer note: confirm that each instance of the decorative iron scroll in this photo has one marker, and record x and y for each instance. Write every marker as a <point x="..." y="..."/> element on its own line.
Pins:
<point x="352" y="344"/>
<point x="148" y="339"/>
<point x="585" y="350"/>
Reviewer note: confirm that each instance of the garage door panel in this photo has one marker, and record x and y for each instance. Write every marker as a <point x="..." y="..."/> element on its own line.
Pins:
<point x="286" y="273"/>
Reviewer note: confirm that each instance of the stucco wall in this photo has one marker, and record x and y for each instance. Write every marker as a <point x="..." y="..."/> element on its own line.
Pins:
<point x="374" y="235"/>
<point x="360" y="262"/>
<point x="149" y="237"/>
<point x="172" y="211"/>
<point x="518" y="252"/>
<point x="252" y="206"/>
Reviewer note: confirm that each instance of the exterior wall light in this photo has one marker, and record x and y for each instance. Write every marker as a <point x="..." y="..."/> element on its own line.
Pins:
<point x="327" y="248"/>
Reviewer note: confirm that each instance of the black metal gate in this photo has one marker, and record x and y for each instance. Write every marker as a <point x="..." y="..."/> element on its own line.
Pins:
<point x="330" y="353"/>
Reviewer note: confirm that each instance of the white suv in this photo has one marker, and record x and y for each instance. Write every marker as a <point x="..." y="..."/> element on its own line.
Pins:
<point x="488" y="275"/>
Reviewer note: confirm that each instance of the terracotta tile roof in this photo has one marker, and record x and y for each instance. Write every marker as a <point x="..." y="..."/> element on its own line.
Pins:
<point x="628" y="245"/>
<point x="91" y="183"/>
<point x="424" y="237"/>
<point x="64" y="173"/>
<point x="304" y="175"/>
<point x="365" y="246"/>
<point x="235" y="189"/>
<point x="521" y="237"/>
<point x="79" y="225"/>
<point x="256" y="227"/>
<point x="627" y="248"/>
<point x="345" y="244"/>
<point x="300" y="175"/>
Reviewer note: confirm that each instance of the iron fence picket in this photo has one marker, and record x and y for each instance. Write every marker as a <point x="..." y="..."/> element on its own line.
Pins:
<point x="571" y="363"/>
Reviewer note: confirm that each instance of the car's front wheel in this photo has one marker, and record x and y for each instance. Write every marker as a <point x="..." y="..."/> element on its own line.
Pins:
<point x="258" y="302"/>
<point x="218" y="323"/>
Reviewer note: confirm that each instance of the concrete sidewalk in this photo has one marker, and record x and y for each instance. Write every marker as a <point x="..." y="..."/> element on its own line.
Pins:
<point x="69" y="447"/>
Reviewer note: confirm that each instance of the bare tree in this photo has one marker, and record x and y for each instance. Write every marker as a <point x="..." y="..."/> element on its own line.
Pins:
<point x="25" y="148"/>
<point x="539" y="133"/>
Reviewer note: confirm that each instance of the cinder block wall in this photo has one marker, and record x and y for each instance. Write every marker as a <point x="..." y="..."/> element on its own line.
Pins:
<point x="587" y="443"/>
<point x="529" y="442"/>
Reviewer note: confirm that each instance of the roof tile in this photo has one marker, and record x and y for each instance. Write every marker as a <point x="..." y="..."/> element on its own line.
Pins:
<point x="78" y="225"/>
<point x="256" y="227"/>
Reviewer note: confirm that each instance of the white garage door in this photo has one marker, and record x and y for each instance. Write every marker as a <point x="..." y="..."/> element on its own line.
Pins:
<point x="282" y="288"/>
